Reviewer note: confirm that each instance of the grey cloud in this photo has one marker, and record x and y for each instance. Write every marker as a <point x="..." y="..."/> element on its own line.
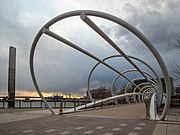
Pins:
<point x="14" y="33"/>
<point x="59" y="67"/>
<point x="159" y="24"/>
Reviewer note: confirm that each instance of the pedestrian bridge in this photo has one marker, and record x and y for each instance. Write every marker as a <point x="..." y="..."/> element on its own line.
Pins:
<point x="114" y="101"/>
<point x="151" y="88"/>
<point x="125" y="111"/>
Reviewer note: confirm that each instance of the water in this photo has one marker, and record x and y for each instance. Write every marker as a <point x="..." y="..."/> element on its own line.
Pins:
<point x="28" y="104"/>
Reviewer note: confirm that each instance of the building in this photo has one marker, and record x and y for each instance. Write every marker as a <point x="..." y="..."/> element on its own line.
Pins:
<point x="164" y="85"/>
<point x="177" y="92"/>
<point x="100" y="93"/>
<point x="11" y="76"/>
<point x="139" y="81"/>
<point x="175" y="99"/>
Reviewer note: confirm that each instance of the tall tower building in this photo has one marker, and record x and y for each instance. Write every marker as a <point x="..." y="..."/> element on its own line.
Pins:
<point x="11" y="76"/>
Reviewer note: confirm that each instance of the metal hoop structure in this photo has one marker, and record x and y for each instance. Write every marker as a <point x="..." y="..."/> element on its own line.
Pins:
<point x="131" y="57"/>
<point x="127" y="85"/>
<point x="132" y="70"/>
<point x="84" y="15"/>
<point x="147" y="85"/>
<point x="158" y="81"/>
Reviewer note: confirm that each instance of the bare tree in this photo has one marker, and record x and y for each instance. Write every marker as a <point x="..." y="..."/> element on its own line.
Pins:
<point x="174" y="65"/>
<point x="175" y="70"/>
<point x="177" y="41"/>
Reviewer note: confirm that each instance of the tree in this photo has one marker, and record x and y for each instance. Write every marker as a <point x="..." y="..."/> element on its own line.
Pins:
<point x="175" y="70"/>
<point x="174" y="65"/>
<point x="177" y="41"/>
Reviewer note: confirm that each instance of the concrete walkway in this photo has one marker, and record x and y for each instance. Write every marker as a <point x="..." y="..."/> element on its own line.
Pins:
<point x="125" y="120"/>
<point x="171" y="125"/>
<point x="131" y="111"/>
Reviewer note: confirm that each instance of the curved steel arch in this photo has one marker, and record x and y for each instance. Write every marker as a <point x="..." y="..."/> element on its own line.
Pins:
<point x="148" y="90"/>
<point x="131" y="57"/>
<point x="114" y="56"/>
<point x="127" y="71"/>
<point x="125" y="91"/>
<point x="145" y="83"/>
<point x="83" y="14"/>
<point x="137" y="85"/>
<point x="140" y="98"/>
<point x="144" y="89"/>
<point x="151" y="82"/>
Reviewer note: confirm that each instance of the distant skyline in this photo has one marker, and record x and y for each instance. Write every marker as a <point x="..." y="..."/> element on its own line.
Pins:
<point x="60" y="68"/>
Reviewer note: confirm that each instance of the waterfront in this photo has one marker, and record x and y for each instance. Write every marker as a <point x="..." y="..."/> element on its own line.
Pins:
<point x="125" y="120"/>
<point x="40" y="104"/>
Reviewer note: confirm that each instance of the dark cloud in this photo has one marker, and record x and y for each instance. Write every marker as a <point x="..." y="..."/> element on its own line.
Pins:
<point x="59" y="67"/>
<point x="158" y="21"/>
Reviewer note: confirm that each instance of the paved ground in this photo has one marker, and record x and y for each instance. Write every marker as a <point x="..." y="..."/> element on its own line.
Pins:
<point x="135" y="111"/>
<point x="96" y="122"/>
<point x="171" y="125"/>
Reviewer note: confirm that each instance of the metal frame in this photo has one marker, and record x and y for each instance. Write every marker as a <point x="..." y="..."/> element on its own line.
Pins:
<point x="114" y="56"/>
<point x="129" y="71"/>
<point x="83" y="14"/>
<point x="147" y="85"/>
<point x="159" y="83"/>
<point x="125" y="91"/>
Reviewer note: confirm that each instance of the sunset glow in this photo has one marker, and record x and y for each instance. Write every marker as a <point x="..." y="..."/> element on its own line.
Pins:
<point x="45" y="94"/>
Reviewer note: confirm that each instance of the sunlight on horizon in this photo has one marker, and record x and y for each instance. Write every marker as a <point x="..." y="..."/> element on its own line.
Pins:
<point x="45" y="94"/>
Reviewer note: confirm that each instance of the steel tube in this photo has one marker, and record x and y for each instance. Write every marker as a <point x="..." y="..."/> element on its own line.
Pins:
<point x="105" y="37"/>
<point x="123" y="24"/>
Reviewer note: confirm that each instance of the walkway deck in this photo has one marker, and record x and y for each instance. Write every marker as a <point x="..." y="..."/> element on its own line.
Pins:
<point x="135" y="111"/>
<point x="125" y="120"/>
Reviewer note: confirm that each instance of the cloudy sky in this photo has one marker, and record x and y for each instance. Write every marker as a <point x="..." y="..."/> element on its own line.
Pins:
<point x="61" y="68"/>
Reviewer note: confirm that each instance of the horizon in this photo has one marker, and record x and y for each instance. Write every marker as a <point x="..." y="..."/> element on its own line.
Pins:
<point x="62" y="68"/>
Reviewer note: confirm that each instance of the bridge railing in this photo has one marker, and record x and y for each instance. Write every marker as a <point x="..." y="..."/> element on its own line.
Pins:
<point x="66" y="103"/>
<point x="107" y="102"/>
